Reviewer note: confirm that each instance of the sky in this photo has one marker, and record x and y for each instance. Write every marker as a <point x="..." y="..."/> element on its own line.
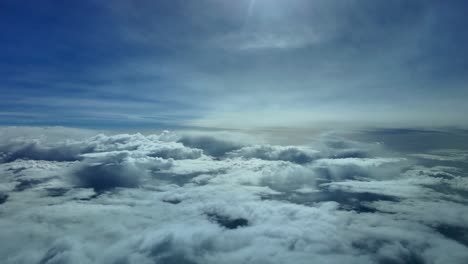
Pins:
<point x="233" y="64"/>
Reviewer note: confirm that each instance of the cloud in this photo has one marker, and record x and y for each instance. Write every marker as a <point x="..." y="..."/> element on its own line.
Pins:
<point x="444" y="155"/>
<point x="114" y="171"/>
<point x="215" y="144"/>
<point x="287" y="153"/>
<point x="198" y="197"/>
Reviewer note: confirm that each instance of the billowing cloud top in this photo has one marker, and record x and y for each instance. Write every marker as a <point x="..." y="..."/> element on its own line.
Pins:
<point x="71" y="196"/>
<point x="233" y="64"/>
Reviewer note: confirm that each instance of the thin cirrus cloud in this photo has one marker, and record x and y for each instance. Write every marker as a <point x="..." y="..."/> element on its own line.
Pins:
<point x="212" y="63"/>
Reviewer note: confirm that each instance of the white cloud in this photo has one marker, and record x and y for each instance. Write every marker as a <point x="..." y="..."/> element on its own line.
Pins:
<point x="445" y="155"/>
<point x="201" y="198"/>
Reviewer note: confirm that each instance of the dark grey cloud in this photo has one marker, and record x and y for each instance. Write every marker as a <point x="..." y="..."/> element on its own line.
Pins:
<point x="161" y="198"/>
<point x="214" y="146"/>
<point x="289" y="153"/>
<point x="103" y="176"/>
<point x="3" y="197"/>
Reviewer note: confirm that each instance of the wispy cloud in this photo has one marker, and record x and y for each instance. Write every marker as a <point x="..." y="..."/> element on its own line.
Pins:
<point x="395" y="62"/>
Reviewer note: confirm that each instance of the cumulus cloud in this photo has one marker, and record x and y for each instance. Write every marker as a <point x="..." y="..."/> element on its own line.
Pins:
<point x="214" y="145"/>
<point x="296" y="154"/>
<point x="204" y="197"/>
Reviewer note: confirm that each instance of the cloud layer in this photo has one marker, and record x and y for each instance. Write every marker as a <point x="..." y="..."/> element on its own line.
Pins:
<point x="205" y="197"/>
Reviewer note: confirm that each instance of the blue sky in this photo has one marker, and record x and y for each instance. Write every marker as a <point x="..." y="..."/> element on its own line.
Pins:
<point x="233" y="64"/>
